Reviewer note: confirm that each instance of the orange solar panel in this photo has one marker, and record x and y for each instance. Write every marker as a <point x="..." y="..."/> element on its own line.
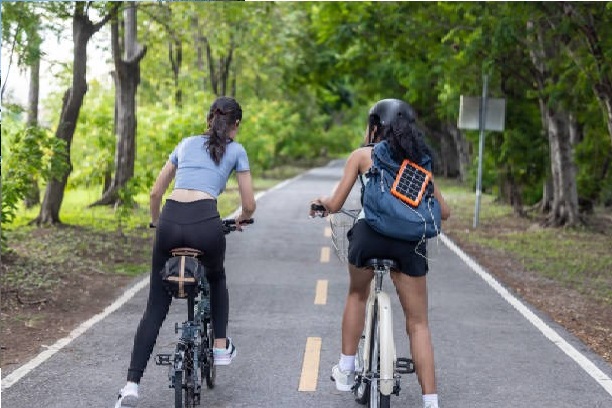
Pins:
<point x="410" y="183"/>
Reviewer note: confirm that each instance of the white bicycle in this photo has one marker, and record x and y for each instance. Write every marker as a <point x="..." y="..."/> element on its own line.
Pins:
<point x="377" y="368"/>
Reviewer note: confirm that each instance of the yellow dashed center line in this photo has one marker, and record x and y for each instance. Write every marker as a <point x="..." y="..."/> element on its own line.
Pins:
<point x="324" y="254"/>
<point x="310" y="367"/>
<point x="321" y="292"/>
<point x="327" y="232"/>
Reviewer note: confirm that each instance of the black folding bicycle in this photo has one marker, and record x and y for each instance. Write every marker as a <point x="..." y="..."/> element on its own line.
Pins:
<point x="192" y="361"/>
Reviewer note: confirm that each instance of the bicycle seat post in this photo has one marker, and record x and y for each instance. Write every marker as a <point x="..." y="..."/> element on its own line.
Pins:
<point x="378" y="276"/>
<point x="190" y="307"/>
<point x="380" y="267"/>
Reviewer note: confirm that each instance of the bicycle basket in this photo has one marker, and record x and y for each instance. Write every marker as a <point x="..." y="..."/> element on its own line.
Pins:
<point x="340" y="223"/>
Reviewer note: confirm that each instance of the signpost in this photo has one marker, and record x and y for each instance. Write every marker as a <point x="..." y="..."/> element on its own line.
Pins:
<point x="482" y="114"/>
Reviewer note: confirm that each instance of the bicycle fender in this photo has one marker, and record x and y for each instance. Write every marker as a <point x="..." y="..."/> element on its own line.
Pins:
<point x="387" y="345"/>
<point x="368" y="328"/>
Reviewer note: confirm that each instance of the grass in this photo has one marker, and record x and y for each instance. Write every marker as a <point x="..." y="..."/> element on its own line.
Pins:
<point x="578" y="258"/>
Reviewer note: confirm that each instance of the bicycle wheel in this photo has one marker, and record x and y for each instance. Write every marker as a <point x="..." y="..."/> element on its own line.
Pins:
<point x="189" y="378"/>
<point x="178" y="389"/>
<point x="377" y="400"/>
<point x="362" y="391"/>
<point x="207" y="365"/>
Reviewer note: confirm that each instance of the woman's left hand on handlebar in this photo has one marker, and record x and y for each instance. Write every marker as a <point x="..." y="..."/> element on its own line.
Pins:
<point x="317" y="209"/>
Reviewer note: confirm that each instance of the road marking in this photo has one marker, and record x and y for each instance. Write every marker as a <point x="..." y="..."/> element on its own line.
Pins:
<point x="327" y="232"/>
<point x="16" y="375"/>
<point x="310" y="367"/>
<point x="321" y="292"/>
<point x="325" y="254"/>
<point x="586" y="364"/>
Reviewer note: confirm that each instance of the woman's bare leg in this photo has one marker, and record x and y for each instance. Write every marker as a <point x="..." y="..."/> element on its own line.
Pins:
<point x="354" y="308"/>
<point x="412" y="292"/>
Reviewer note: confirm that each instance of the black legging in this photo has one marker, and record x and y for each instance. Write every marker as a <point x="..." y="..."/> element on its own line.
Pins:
<point x="195" y="225"/>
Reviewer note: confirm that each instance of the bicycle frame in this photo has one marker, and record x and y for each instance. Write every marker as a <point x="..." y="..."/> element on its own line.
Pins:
<point x="380" y="302"/>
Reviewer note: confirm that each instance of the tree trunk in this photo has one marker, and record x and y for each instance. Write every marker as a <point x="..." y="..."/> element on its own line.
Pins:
<point x="564" y="205"/>
<point x="462" y="147"/>
<point x="564" y="209"/>
<point x="175" y="55"/>
<point x="127" y="78"/>
<point x="32" y="195"/>
<point x="82" y="31"/>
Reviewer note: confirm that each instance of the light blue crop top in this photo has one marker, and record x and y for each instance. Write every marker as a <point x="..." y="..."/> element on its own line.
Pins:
<point x="197" y="171"/>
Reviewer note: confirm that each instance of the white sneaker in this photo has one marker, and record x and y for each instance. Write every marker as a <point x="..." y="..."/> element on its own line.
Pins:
<point x="226" y="355"/>
<point x="430" y="405"/>
<point x="128" y="398"/>
<point x="344" y="379"/>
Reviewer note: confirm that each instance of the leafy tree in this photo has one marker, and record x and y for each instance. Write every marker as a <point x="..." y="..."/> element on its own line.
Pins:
<point x="127" y="55"/>
<point x="82" y="30"/>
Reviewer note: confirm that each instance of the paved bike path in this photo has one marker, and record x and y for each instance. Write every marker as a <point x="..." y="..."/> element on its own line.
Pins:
<point x="487" y="353"/>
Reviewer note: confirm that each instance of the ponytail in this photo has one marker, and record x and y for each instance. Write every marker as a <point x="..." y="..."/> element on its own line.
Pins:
<point x="224" y="113"/>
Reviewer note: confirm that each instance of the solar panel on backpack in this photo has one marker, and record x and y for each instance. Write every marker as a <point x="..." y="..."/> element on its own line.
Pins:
<point x="410" y="183"/>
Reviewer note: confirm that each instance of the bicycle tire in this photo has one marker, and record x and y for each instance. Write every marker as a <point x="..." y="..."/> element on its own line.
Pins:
<point x="178" y="389"/>
<point x="189" y="380"/>
<point x="208" y="366"/>
<point x="377" y="400"/>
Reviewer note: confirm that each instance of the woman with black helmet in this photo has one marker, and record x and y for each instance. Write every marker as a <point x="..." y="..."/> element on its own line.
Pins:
<point x="392" y="120"/>
<point x="200" y="166"/>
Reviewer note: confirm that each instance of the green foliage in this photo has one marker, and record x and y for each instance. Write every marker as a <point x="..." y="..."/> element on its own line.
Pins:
<point x="30" y="153"/>
<point x="127" y="202"/>
<point x="93" y="147"/>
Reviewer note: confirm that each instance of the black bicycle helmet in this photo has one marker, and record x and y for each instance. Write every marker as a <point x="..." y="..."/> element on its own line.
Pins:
<point x="388" y="109"/>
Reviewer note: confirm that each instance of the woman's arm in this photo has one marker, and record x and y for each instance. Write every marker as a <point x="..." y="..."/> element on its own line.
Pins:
<point x="444" y="208"/>
<point x="164" y="178"/>
<point x="245" y="188"/>
<point x="335" y="202"/>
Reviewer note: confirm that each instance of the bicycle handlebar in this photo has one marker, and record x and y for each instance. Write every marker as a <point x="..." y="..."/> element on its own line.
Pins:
<point x="229" y="225"/>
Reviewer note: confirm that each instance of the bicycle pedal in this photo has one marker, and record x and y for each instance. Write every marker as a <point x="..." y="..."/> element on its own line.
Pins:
<point x="404" y="365"/>
<point x="163" y="359"/>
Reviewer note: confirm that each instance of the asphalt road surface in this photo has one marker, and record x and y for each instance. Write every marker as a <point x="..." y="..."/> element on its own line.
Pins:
<point x="287" y="290"/>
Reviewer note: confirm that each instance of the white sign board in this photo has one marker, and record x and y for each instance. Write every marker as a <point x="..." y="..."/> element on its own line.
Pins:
<point x="469" y="113"/>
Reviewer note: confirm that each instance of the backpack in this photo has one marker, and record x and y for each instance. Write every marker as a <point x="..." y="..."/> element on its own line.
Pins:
<point x="391" y="216"/>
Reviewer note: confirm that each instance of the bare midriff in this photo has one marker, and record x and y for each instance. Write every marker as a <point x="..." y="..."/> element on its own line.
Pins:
<point x="186" y="196"/>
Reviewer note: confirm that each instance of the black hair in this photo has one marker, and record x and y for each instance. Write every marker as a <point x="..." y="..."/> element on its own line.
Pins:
<point x="224" y="113"/>
<point x="399" y="128"/>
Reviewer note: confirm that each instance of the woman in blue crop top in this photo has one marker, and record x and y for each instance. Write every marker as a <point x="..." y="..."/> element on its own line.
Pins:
<point x="201" y="166"/>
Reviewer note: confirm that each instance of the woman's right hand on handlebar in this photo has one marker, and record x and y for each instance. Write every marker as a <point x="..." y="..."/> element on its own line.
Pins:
<point x="241" y="221"/>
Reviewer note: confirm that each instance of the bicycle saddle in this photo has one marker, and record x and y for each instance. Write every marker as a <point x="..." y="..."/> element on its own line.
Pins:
<point x="378" y="262"/>
<point x="186" y="252"/>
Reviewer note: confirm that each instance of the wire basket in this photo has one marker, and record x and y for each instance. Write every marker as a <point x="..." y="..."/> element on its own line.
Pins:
<point x="341" y="222"/>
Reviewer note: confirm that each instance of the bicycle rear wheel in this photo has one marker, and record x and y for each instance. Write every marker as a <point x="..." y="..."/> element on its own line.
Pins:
<point x="209" y="371"/>
<point x="377" y="400"/>
<point x="189" y="377"/>
<point x="178" y="389"/>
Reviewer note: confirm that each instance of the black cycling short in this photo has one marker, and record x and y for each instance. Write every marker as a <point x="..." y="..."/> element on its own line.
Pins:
<point x="365" y="243"/>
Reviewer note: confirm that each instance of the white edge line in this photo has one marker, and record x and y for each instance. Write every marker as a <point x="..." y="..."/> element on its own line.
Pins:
<point x="20" y="372"/>
<point x="586" y="364"/>
<point x="23" y="370"/>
